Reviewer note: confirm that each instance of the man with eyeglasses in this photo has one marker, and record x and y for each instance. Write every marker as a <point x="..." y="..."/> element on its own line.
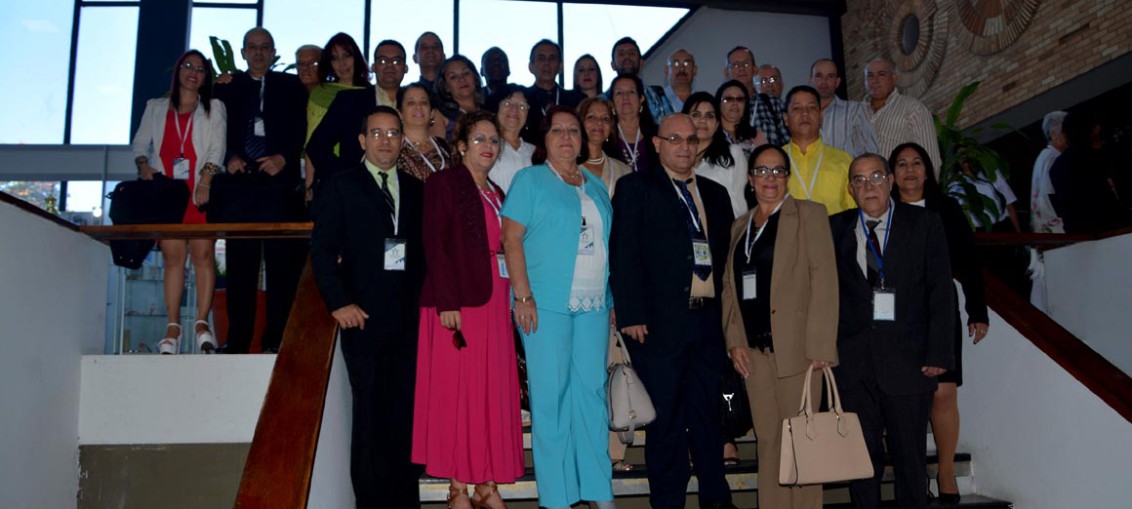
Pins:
<point x="266" y="126"/>
<point x="306" y="65"/>
<point x="845" y="124"/>
<point x="627" y="60"/>
<point x="897" y="326"/>
<point x="389" y="69"/>
<point x="331" y="148"/>
<point x="546" y="64"/>
<point x="668" y="250"/>
<point x="766" y="109"/>
<point x="368" y="260"/>
<point x="770" y="80"/>
<point x="680" y="72"/>
<point x="897" y="118"/>
<point x="821" y="172"/>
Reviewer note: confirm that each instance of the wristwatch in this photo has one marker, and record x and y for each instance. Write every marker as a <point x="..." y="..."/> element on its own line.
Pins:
<point x="525" y="299"/>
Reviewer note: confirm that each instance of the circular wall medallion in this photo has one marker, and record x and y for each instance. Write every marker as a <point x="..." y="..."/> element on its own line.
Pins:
<point x="984" y="27"/>
<point x="915" y="40"/>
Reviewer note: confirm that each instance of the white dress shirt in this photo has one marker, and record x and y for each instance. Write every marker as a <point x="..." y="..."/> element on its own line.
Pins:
<point x="511" y="160"/>
<point x="1043" y="218"/>
<point x="733" y="178"/>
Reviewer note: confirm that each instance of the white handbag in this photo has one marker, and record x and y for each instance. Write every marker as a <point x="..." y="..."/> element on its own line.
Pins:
<point x="630" y="407"/>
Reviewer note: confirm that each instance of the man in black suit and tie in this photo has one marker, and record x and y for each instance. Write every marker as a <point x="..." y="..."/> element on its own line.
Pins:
<point x="895" y="333"/>
<point x="267" y="121"/>
<point x="668" y="250"/>
<point x="367" y="256"/>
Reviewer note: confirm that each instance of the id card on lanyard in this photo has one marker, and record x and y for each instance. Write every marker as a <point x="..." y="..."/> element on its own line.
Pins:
<point x="701" y="250"/>
<point x="750" y="274"/>
<point x="884" y="295"/>
<point x="493" y="201"/>
<point x="181" y="170"/>
<point x="424" y="158"/>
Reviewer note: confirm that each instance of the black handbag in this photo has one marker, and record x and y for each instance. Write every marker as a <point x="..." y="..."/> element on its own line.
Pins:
<point x="158" y="201"/>
<point x="253" y="196"/>
<point x="734" y="407"/>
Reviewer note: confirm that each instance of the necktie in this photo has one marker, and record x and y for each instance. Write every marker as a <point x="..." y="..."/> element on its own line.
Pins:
<point x="870" y="254"/>
<point x="385" y="191"/>
<point x="255" y="147"/>
<point x="695" y="230"/>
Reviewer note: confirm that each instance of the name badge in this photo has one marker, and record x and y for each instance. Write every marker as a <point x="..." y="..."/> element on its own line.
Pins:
<point x="586" y="241"/>
<point x="884" y="304"/>
<point x="181" y="168"/>
<point x="502" y="266"/>
<point x="702" y="253"/>
<point x="258" y="127"/>
<point x="750" y="286"/>
<point x="395" y="254"/>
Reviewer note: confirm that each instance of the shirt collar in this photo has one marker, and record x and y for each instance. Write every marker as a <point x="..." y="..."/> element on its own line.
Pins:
<point x="816" y="146"/>
<point x="373" y="168"/>
<point x="691" y="179"/>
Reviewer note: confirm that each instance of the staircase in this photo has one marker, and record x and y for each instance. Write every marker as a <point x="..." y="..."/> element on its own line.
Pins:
<point x="632" y="488"/>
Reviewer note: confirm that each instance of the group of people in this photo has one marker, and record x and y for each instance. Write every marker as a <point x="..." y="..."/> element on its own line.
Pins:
<point x="739" y="232"/>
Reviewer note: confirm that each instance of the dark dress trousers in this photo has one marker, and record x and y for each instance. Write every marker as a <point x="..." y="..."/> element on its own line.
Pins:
<point x="455" y="240"/>
<point x="879" y="373"/>
<point x="351" y="223"/>
<point x="340" y="126"/>
<point x="254" y="196"/>
<point x="967" y="267"/>
<point x="682" y="358"/>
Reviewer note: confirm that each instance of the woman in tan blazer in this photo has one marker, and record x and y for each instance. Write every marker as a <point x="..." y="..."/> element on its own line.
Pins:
<point x="779" y="311"/>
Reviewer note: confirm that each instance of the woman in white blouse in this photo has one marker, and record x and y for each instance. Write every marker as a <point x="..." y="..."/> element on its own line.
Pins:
<point x="717" y="160"/>
<point x="511" y="110"/>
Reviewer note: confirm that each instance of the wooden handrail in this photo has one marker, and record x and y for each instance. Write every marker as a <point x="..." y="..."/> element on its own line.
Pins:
<point x="1100" y="376"/>
<point x="199" y="231"/>
<point x="1044" y="240"/>
<point x="36" y="211"/>
<point x="277" y="473"/>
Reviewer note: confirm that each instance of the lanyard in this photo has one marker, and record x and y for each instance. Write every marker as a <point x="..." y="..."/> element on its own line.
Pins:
<point x="188" y="127"/>
<point x="443" y="161"/>
<point x="869" y="243"/>
<point x="493" y="201"/>
<point x="689" y="206"/>
<point x="750" y="245"/>
<point x="813" y="178"/>
<point x="631" y="151"/>
<point x="557" y="90"/>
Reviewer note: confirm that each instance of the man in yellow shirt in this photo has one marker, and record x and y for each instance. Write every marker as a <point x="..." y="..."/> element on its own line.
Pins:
<point x="819" y="172"/>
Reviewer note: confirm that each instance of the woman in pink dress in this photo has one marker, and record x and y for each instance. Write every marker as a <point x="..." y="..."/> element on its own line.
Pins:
<point x="466" y="413"/>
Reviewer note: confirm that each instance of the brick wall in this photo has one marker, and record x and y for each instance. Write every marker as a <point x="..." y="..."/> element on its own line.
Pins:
<point x="1064" y="39"/>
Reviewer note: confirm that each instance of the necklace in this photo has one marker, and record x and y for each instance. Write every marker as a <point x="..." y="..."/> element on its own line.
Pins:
<point x="598" y="160"/>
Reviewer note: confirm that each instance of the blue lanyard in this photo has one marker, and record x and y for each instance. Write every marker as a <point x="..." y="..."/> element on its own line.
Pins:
<point x="887" y="229"/>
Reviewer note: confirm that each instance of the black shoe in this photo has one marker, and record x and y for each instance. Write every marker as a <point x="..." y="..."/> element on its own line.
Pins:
<point x="945" y="498"/>
<point x="720" y="505"/>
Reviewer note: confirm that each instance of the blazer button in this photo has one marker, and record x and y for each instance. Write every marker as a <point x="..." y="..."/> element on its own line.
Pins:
<point x="689" y="257"/>
<point x="772" y="311"/>
<point x="687" y="288"/>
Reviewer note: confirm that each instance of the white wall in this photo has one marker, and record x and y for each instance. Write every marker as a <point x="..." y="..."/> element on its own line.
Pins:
<point x="790" y="41"/>
<point x="1037" y="437"/>
<point x="52" y="311"/>
<point x="1089" y="287"/>
<point x="330" y="481"/>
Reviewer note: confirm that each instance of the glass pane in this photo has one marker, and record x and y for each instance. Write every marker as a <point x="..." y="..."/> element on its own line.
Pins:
<point x="526" y="23"/>
<point x="294" y="23"/>
<point x="86" y="201"/>
<point x="240" y="2"/>
<point x="227" y="24"/>
<point x="35" y="193"/>
<point x="405" y="21"/>
<point x="104" y="75"/>
<point x="593" y="28"/>
<point x="37" y="36"/>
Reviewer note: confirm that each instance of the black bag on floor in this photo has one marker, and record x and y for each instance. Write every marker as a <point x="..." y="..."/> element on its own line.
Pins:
<point x="158" y="201"/>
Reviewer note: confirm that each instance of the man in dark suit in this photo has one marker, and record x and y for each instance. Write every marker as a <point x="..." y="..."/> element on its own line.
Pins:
<point x="546" y="65"/>
<point x="668" y="250"/>
<point x="367" y="256"/>
<point x="266" y="125"/>
<point x="896" y="329"/>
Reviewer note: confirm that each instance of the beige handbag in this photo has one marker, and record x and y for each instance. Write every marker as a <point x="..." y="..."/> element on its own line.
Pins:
<point x="822" y="447"/>
<point x="630" y="407"/>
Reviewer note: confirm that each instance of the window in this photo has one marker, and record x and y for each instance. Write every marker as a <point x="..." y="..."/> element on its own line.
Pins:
<point x="405" y="21"/>
<point x="593" y="28"/>
<point x="37" y="41"/>
<point x="227" y="24"/>
<point x="35" y="193"/>
<point x="514" y="26"/>
<point x="104" y="75"/>
<point x="294" y="24"/>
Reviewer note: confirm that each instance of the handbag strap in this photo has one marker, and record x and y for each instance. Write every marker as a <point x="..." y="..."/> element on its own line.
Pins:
<point x="806" y="407"/>
<point x="621" y="344"/>
<point x="831" y="384"/>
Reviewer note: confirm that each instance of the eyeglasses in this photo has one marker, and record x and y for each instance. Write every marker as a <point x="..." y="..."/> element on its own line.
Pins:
<point x="307" y="65"/>
<point x="522" y="105"/>
<point x="702" y="115"/>
<point x="390" y="61"/>
<point x="481" y="139"/>
<point x="767" y="172"/>
<point x="741" y="65"/>
<point x="388" y="134"/>
<point x="676" y="139"/>
<point x="682" y="64"/>
<point x="728" y="99"/>
<point x="769" y="81"/>
<point x="876" y="179"/>
<point x="188" y="66"/>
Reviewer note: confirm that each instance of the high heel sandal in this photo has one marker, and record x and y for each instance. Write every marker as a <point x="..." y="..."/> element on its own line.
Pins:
<point x="481" y="498"/>
<point x="947" y="498"/>
<point x="206" y="342"/>
<point x="169" y="345"/>
<point x="455" y="493"/>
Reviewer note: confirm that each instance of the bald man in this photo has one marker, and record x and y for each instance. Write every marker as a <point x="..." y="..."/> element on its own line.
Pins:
<point x="898" y="118"/>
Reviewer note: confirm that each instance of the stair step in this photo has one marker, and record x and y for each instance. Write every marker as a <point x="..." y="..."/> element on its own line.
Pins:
<point x="741" y="477"/>
<point x="638" y="438"/>
<point x="972" y="501"/>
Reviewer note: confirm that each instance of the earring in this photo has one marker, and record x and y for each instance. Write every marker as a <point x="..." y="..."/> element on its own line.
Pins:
<point x="641" y="108"/>
<point x="461" y="153"/>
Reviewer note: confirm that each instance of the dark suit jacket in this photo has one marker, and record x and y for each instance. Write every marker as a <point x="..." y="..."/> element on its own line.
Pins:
<point x="455" y="241"/>
<point x="651" y="254"/>
<point x="351" y="223"/>
<point x="539" y="98"/>
<point x="340" y="126"/>
<point x="966" y="263"/>
<point x="917" y="267"/>
<point x="284" y="117"/>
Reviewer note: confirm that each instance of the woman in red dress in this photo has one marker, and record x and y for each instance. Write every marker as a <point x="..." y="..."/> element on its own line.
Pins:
<point x="182" y="137"/>
<point x="466" y="418"/>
